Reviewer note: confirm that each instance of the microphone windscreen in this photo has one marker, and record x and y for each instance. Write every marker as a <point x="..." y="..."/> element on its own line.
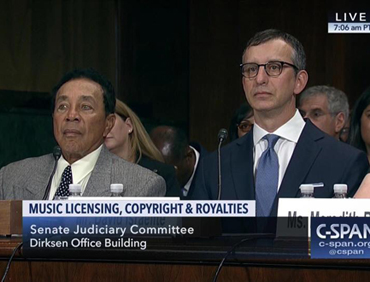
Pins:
<point x="222" y="134"/>
<point x="57" y="152"/>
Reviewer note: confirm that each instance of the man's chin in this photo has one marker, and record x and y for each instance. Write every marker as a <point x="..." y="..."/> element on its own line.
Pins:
<point x="72" y="150"/>
<point x="264" y="108"/>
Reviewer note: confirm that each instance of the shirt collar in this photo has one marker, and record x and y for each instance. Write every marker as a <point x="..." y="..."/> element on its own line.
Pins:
<point x="291" y="130"/>
<point x="197" y="156"/>
<point x="80" y="168"/>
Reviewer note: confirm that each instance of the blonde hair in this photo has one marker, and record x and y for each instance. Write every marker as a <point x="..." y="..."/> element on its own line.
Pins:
<point x="140" y="142"/>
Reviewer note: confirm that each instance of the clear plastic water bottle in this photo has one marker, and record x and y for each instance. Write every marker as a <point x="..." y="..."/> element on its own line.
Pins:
<point x="307" y="190"/>
<point x="340" y="191"/>
<point x="75" y="190"/>
<point x="116" y="190"/>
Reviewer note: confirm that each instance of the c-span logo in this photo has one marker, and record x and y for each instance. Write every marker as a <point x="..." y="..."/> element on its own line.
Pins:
<point x="340" y="237"/>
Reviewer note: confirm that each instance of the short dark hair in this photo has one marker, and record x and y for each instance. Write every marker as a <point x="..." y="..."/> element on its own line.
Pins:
<point x="355" y="136"/>
<point x="298" y="57"/>
<point x="109" y="95"/>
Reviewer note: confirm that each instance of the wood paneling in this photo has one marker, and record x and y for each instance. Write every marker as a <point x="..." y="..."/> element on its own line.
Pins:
<point x="173" y="62"/>
<point x="219" y="31"/>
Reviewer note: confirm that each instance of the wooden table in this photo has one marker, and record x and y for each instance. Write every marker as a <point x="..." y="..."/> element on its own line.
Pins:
<point x="182" y="260"/>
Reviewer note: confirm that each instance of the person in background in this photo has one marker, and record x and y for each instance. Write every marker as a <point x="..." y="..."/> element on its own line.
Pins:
<point x="343" y="136"/>
<point x="326" y="107"/>
<point x="173" y="143"/>
<point x="242" y="122"/>
<point x="129" y="140"/>
<point x="83" y="105"/>
<point x="359" y="131"/>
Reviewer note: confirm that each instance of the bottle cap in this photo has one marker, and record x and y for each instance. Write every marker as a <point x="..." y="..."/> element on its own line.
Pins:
<point x="340" y="188"/>
<point x="306" y="188"/>
<point x="75" y="188"/>
<point x="116" y="187"/>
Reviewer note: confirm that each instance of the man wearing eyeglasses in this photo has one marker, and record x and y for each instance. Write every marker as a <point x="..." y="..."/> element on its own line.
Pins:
<point x="241" y="122"/>
<point x="326" y="107"/>
<point x="282" y="151"/>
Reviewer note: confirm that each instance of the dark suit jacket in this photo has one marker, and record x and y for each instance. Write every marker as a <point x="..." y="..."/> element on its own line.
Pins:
<point x="316" y="158"/>
<point x="202" y="153"/>
<point x="166" y="171"/>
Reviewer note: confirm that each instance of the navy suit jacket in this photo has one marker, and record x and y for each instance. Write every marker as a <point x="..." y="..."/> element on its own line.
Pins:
<point x="317" y="157"/>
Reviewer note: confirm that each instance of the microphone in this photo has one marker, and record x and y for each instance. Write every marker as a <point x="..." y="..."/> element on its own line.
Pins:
<point x="57" y="152"/>
<point x="222" y="135"/>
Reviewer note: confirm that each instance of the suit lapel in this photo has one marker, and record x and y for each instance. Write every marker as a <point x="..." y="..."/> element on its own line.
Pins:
<point x="38" y="181"/>
<point x="301" y="162"/>
<point x="100" y="179"/>
<point x="242" y="167"/>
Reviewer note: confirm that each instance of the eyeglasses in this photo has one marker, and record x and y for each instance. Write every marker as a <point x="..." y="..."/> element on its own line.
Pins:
<point x="245" y="126"/>
<point x="273" y="68"/>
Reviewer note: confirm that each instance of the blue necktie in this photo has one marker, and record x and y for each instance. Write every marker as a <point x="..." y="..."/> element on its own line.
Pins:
<point x="63" y="189"/>
<point x="267" y="177"/>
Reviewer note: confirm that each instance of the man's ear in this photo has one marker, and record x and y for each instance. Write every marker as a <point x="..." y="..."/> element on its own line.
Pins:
<point x="189" y="155"/>
<point x="339" y="122"/>
<point x="109" y="123"/>
<point x="300" y="82"/>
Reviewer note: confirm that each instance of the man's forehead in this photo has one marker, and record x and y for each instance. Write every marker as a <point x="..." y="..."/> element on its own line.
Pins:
<point x="316" y="99"/>
<point x="275" y="49"/>
<point x="312" y="104"/>
<point x="166" y="149"/>
<point x="65" y="97"/>
<point x="84" y="88"/>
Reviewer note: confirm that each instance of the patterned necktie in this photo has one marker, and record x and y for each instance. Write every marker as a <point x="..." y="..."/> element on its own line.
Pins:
<point x="63" y="189"/>
<point x="267" y="177"/>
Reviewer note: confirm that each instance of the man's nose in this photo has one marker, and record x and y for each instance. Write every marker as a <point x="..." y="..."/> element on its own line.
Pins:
<point x="262" y="76"/>
<point x="73" y="114"/>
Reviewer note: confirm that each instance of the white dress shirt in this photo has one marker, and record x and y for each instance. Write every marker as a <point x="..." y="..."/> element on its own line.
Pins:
<point x="186" y="188"/>
<point x="81" y="171"/>
<point x="289" y="134"/>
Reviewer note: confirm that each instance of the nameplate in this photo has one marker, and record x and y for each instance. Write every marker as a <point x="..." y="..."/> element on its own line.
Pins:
<point x="296" y="213"/>
<point x="308" y="207"/>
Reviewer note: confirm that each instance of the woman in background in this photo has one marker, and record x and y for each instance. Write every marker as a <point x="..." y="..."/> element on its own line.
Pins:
<point x="242" y="122"/>
<point x="359" y="130"/>
<point x="129" y="140"/>
<point x="359" y="136"/>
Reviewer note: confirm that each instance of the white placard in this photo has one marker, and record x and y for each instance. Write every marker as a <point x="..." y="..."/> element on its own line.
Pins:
<point x="324" y="207"/>
<point x="293" y="210"/>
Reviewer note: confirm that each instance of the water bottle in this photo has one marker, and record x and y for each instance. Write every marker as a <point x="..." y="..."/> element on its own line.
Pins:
<point x="340" y="191"/>
<point x="306" y="190"/>
<point x="116" y="190"/>
<point x="75" y="190"/>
